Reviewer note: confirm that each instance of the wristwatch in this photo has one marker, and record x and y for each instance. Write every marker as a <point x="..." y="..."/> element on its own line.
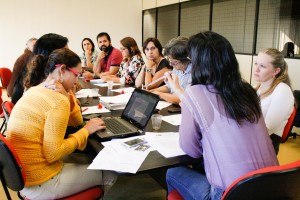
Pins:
<point x="95" y="75"/>
<point x="148" y="69"/>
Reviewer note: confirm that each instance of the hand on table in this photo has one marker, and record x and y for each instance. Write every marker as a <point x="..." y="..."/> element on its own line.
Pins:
<point x="87" y="74"/>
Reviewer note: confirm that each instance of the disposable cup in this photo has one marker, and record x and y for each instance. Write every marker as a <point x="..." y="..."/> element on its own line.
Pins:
<point x="122" y="80"/>
<point x="110" y="84"/>
<point x="156" y="121"/>
<point x="95" y="92"/>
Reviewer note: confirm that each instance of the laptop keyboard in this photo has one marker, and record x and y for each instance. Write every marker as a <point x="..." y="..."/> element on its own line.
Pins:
<point x="115" y="126"/>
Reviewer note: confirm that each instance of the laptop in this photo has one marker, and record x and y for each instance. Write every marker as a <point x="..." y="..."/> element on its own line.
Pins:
<point x="134" y="118"/>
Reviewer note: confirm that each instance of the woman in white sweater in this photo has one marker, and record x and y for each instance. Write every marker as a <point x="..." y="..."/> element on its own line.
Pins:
<point x="274" y="89"/>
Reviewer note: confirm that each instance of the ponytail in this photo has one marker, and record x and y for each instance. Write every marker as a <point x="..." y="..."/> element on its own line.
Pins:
<point x="35" y="71"/>
<point x="282" y="76"/>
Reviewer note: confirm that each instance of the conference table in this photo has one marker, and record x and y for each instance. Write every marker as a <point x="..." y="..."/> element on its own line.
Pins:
<point x="155" y="164"/>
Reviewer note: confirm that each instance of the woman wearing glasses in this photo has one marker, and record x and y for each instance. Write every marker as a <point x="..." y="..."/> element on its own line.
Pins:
<point x="177" y="53"/>
<point x="155" y="65"/>
<point x="37" y="127"/>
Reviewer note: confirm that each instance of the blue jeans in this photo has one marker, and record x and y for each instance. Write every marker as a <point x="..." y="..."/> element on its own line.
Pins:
<point x="191" y="184"/>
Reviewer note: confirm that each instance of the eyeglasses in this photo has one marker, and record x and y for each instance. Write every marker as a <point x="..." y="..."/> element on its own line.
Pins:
<point x="173" y="63"/>
<point x="151" y="48"/>
<point x="76" y="73"/>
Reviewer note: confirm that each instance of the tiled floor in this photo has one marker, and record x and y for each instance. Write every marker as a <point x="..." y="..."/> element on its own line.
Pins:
<point x="144" y="187"/>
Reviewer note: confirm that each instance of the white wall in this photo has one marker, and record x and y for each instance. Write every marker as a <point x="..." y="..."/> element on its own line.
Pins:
<point x="74" y="19"/>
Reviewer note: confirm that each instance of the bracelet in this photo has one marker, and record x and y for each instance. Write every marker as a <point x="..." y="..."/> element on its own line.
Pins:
<point x="148" y="69"/>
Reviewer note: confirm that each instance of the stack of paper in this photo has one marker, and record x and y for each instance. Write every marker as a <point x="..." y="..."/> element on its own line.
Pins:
<point x="116" y="102"/>
<point x="85" y="93"/>
<point x="117" y="157"/>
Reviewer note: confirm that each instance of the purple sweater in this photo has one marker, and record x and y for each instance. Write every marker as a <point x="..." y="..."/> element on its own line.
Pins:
<point x="229" y="150"/>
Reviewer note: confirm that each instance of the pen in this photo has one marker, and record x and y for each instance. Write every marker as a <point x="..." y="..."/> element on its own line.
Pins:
<point x="85" y="109"/>
<point x="159" y="79"/>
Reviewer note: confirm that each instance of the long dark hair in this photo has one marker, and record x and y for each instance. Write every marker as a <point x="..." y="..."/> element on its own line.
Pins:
<point x="131" y="45"/>
<point x="92" y="43"/>
<point x="49" y="42"/>
<point x="214" y="63"/>
<point x="39" y="65"/>
<point x="45" y="45"/>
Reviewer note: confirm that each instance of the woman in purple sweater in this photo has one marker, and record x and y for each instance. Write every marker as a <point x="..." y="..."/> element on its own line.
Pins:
<point x="221" y="122"/>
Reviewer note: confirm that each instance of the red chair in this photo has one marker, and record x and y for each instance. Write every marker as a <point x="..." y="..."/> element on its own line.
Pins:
<point x="5" y="76"/>
<point x="288" y="127"/>
<point x="175" y="195"/>
<point x="1" y="112"/>
<point x="277" y="182"/>
<point x="12" y="174"/>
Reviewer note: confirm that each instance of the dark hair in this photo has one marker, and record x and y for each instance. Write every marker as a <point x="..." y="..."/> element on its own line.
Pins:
<point x="103" y="34"/>
<point x="177" y="49"/>
<point x="49" y="42"/>
<point x="156" y="44"/>
<point x="44" y="46"/>
<point x="214" y="63"/>
<point x="39" y="65"/>
<point x="131" y="45"/>
<point x="92" y="43"/>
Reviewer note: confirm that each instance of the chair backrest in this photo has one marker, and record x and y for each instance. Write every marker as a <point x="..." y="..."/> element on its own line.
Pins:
<point x="288" y="127"/>
<point x="7" y="107"/>
<point x="5" y="76"/>
<point x="1" y="100"/>
<point x="278" y="182"/>
<point x="10" y="166"/>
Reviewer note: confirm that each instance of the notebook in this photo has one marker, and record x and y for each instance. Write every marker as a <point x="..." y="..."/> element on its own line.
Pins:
<point x="134" y="118"/>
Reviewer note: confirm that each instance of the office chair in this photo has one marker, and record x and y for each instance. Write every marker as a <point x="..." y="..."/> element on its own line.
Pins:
<point x="5" y="76"/>
<point x="7" y="107"/>
<point x="288" y="127"/>
<point x="276" y="182"/>
<point x="12" y="174"/>
<point x="296" y="121"/>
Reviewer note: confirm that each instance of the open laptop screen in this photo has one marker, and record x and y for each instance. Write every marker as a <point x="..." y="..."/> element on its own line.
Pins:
<point x="140" y="107"/>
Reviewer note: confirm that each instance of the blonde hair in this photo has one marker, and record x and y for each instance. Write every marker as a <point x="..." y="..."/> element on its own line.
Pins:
<point x="282" y="76"/>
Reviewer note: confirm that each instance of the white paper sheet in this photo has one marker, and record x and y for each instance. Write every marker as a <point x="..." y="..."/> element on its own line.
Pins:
<point x="117" y="157"/>
<point x="105" y="84"/>
<point x="162" y="105"/>
<point x="173" y="119"/>
<point x="93" y="109"/>
<point x="166" y="143"/>
<point x="96" y="81"/>
<point x="125" y="90"/>
<point x="119" y="99"/>
<point x="84" y="93"/>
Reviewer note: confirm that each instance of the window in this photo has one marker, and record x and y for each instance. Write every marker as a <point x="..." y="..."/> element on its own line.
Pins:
<point x="279" y="26"/>
<point x="149" y="18"/>
<point x="234" y="19"/>
<point x="194" y="17"/>
<point x="167" y="23"/>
